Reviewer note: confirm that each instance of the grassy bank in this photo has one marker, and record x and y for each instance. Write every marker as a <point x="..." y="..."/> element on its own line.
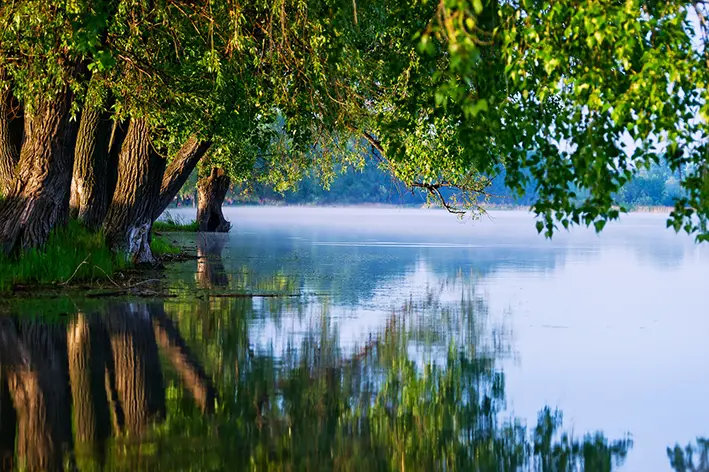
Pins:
<point x="72" y="254"/>
<point x="175" y="224"/>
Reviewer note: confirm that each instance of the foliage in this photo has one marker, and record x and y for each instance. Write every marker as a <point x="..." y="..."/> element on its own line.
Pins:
<point x="576" y="100"/>
<point x="598" y="92"/>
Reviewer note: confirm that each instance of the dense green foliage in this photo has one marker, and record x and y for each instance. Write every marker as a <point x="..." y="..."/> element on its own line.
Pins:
<point x="579" y="99"/>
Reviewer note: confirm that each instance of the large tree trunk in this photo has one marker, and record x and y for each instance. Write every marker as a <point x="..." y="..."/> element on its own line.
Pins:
<point x="178" y="171"/>
<point x="130" y="216"/>
<point x="11" y="122"/>
<point x="89" y="195"/>
<point x="211" y="193"/>
<point x="38" y="384"/>
<point x="185" y="363"/>
<point x="140" y="390"/>
<point x="39" y="194"/>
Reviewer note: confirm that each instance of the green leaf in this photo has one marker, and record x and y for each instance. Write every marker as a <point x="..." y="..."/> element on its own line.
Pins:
<point x="478" y="6"/>
<point x="480" y="105"/>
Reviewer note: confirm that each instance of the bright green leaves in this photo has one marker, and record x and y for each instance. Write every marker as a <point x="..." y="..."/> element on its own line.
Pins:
<point x="103" y="61"/>
<point x="584" y="80"/>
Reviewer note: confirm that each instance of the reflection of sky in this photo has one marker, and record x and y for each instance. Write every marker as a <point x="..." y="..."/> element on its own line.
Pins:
<point x="429" y="293"/>
<point x="611" y="329"/>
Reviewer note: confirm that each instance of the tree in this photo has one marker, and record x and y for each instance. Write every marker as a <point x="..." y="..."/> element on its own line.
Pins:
<point x="598" y="92"/>
<point x="445" y="95"/>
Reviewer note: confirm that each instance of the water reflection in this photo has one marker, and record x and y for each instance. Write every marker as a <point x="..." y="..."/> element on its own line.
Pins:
<point x="145" y="386"/>
<point x="235" y="373"/>
<point x="210" y="266"/>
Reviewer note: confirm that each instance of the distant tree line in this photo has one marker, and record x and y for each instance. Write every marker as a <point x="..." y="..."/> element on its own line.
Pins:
<point x="657" y="186"/>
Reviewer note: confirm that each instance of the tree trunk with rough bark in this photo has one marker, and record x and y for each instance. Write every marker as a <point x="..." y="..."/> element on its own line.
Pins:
<point x="39" y="387"/>
<point x="178" y="171"/>
<point x="185" y="363"/>
<point x="211" y="193"/>
<point x="39" y="193"/>
<point x="89" y="193"/>
<point x="140" y="390"/>
<point x="130" y="215"/>
<point x="11" y="123"/>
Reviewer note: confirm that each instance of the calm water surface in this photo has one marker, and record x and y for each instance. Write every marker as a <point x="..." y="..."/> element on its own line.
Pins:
<point x="382" y="339"/>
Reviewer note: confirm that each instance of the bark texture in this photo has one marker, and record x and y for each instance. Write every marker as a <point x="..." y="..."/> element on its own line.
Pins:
<point x="185" y="363"/>
<point x="10" y="138"/>
<point x="139" y="386"/>
<point x="130" y="215"/>
<point x="38" y="196"/>
<point x="178" y="171"/>
<point x="89" y="185"/>
<point x="211" y="191"/>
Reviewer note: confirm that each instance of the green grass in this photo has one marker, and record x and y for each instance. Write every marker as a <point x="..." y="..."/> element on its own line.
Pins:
<point x="70" y="251"/>
<point x="161" y="246"/>
<point x="71" y="254"/>
<point x="175" y="224"/>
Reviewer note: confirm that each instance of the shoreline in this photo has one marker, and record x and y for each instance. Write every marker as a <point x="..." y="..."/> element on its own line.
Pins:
<point x="493" y="207"/>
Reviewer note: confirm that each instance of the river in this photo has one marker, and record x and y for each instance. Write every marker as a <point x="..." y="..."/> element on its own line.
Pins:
<point x="379" y="338"/>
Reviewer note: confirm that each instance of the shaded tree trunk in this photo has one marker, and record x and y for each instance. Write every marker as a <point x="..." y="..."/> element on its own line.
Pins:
<point x="178" y="171"/>
<point x="140" y="390"/>
<point x="38" y="195"/>
<point x="86" y="349"/>
<point x="185" y="363"/>
<point x="211" y="193"/>
<point x="89" y="186"/>
<point x="210" y="267"/>
<point x="130" y="215"/>
<point x="11" y="123"/>
<point x="38" y="384"/>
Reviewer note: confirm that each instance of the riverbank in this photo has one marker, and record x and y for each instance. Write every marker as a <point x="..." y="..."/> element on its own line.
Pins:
<point x="187" y="227"/>
<point x="77" y="259"/>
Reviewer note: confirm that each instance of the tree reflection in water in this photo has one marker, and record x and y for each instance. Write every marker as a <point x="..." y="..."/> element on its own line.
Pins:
<point x="179" y="385"/>
<point x="691" y="458"/>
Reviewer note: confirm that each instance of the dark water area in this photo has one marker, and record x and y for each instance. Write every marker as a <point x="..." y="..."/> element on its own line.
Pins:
<point x="373" y="339"/>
